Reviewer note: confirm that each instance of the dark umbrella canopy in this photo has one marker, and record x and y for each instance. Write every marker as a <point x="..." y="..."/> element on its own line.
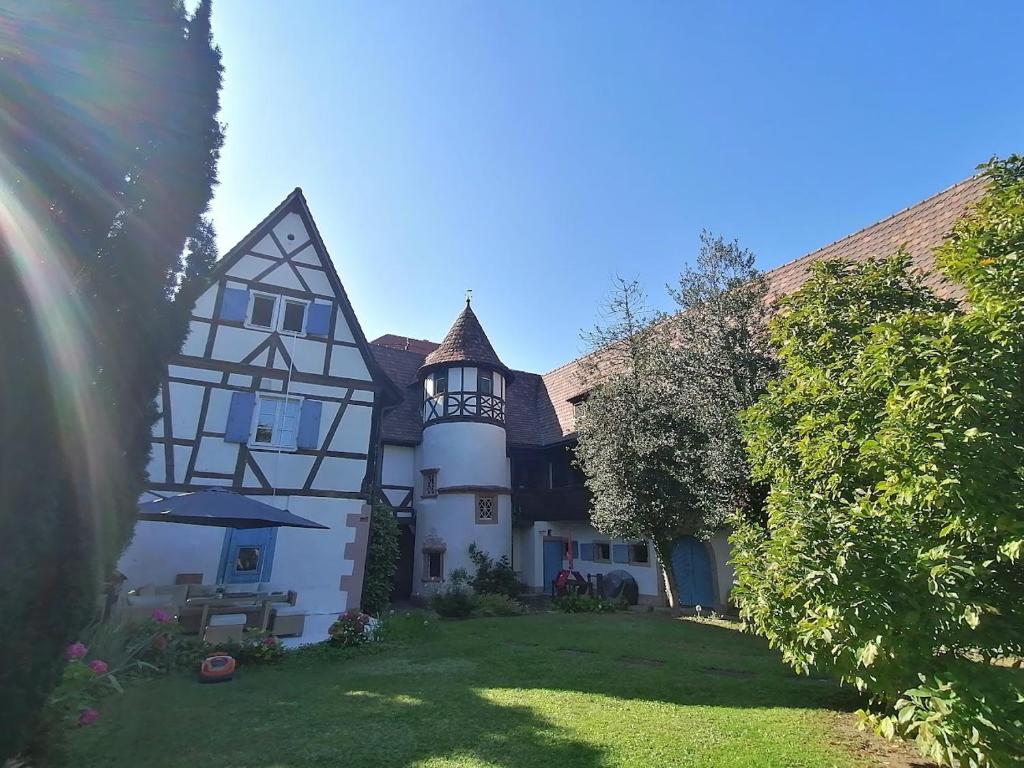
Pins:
<point x="223" y="508"/>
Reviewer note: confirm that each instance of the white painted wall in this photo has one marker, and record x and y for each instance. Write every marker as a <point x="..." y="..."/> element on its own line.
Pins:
<point x="452" y="518"/>
<point x="399" y="465"/>
<point x="160" y="551"/>
<point x="466" y="453"/>
<point x="647" y="576"/>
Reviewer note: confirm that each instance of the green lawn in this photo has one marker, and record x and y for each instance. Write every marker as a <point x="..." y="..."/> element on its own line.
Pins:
<point x="551" y="691"/>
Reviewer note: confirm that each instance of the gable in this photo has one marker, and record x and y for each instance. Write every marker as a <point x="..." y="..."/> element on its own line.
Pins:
<point x="284" y="259"/>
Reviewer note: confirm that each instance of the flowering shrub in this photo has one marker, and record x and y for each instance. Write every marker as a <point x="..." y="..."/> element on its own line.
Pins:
<point x="351" y="628"/>
<point x="253" y="648"/>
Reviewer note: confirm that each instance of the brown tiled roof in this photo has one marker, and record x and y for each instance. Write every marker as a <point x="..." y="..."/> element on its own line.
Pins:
<point x="919" y="229"/>
<point x="466" y="342"/>
<point x="539" y="407"/>
<point x="403" y="423"/>
<point x="406" y="344"/>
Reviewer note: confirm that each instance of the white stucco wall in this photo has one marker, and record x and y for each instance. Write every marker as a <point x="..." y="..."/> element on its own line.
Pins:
<point x="466" y="453"/>
<point x="648" y="577"/>
<point x="160" y="551"/>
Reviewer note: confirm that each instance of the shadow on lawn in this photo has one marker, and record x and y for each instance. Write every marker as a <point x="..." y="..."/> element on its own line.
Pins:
<point x="466" y="695"/>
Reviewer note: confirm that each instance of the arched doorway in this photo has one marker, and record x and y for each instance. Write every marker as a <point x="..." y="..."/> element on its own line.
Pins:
<point x="692" y="567"/>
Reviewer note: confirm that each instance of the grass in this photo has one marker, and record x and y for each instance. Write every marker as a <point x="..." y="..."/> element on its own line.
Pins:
<point x="548" y="690"/>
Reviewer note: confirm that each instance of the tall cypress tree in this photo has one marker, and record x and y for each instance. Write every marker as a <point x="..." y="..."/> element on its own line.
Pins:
<point x="109" y="141"/>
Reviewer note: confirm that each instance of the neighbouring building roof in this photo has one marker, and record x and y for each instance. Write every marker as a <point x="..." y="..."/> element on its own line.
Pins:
<point x="539" y="407"/>
<point x="466" y="342"/>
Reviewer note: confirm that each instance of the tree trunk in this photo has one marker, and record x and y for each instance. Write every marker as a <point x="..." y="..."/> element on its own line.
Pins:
<point x="663" y="549"/>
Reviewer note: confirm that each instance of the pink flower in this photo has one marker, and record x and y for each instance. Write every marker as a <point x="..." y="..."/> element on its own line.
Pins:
<point x="88" y="716"/>
<point x="271" y="641"/>
<point x="99" y="667"/>
<point x="160" y="616"/>
<point x="75" y="651"/>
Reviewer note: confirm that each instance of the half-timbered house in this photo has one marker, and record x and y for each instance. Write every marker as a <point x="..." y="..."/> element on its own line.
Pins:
<point x="276" y="395"/>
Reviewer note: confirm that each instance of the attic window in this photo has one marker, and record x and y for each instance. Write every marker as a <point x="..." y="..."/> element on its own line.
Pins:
<point x="294" y="318"/>
<point x="261" y="310"/>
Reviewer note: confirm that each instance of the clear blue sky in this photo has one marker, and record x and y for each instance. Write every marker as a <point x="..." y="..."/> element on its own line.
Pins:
<point x="531" y="151"/>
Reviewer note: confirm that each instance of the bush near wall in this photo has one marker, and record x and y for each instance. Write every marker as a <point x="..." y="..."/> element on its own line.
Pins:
<point x="381" y="559"/>
<point x="894" y="450"/>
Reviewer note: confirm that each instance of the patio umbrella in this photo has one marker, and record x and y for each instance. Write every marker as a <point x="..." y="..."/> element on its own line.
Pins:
<point x="221" y="507"/>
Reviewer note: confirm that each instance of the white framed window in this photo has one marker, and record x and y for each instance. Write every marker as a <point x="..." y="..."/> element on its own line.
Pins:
<point x="486" y="509"/>
<point x="268" y="312"/>
<point x="293" y="316"/>
<point x="262" y="311"/>
<point x="275" y="422"/>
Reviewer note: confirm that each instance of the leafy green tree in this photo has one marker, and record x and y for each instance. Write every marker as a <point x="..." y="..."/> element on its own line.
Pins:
<point x="659" y="440"/>
<point x="894" y="450"/>
<point x="108" y="149"/>
<point x="381" y="559"/>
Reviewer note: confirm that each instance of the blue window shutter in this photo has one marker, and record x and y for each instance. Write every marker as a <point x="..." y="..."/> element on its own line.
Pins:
<point x="575" y="550"/>
<point x="234" y="304"/>
<point x="586" y="551"/>
<point x="620" y="553"/>
<point x="240" y="417"/>
<point x="309" y="424"/>
<point x="318" y="319"/>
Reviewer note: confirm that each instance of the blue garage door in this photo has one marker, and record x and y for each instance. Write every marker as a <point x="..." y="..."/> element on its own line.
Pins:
<point x="692" y="567"/>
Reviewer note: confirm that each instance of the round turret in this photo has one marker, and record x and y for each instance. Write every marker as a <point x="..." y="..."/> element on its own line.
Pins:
<point x="465" y="493"/>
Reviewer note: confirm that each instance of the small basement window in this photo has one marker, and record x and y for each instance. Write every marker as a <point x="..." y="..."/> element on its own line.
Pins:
<point x="293" y="319"/>
<point x="639" y="553"/>
<point x="602" y="552"/>
<point x="261" y="310"/>
<point x="487" y="509"/>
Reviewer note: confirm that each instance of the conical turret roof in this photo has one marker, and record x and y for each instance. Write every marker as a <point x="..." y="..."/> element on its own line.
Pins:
<point x="465" y="343"/>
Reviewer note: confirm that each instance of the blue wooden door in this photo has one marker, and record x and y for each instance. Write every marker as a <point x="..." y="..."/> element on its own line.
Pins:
<point x="692" y="567"/>
<point x="554" y="549"/>
<point x="248" y="555"/>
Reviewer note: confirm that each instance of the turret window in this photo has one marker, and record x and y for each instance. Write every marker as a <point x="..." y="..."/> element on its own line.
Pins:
<point x="429" y="483"/>
<point x="485" y="383"/>
<point x="440" y="382"/>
